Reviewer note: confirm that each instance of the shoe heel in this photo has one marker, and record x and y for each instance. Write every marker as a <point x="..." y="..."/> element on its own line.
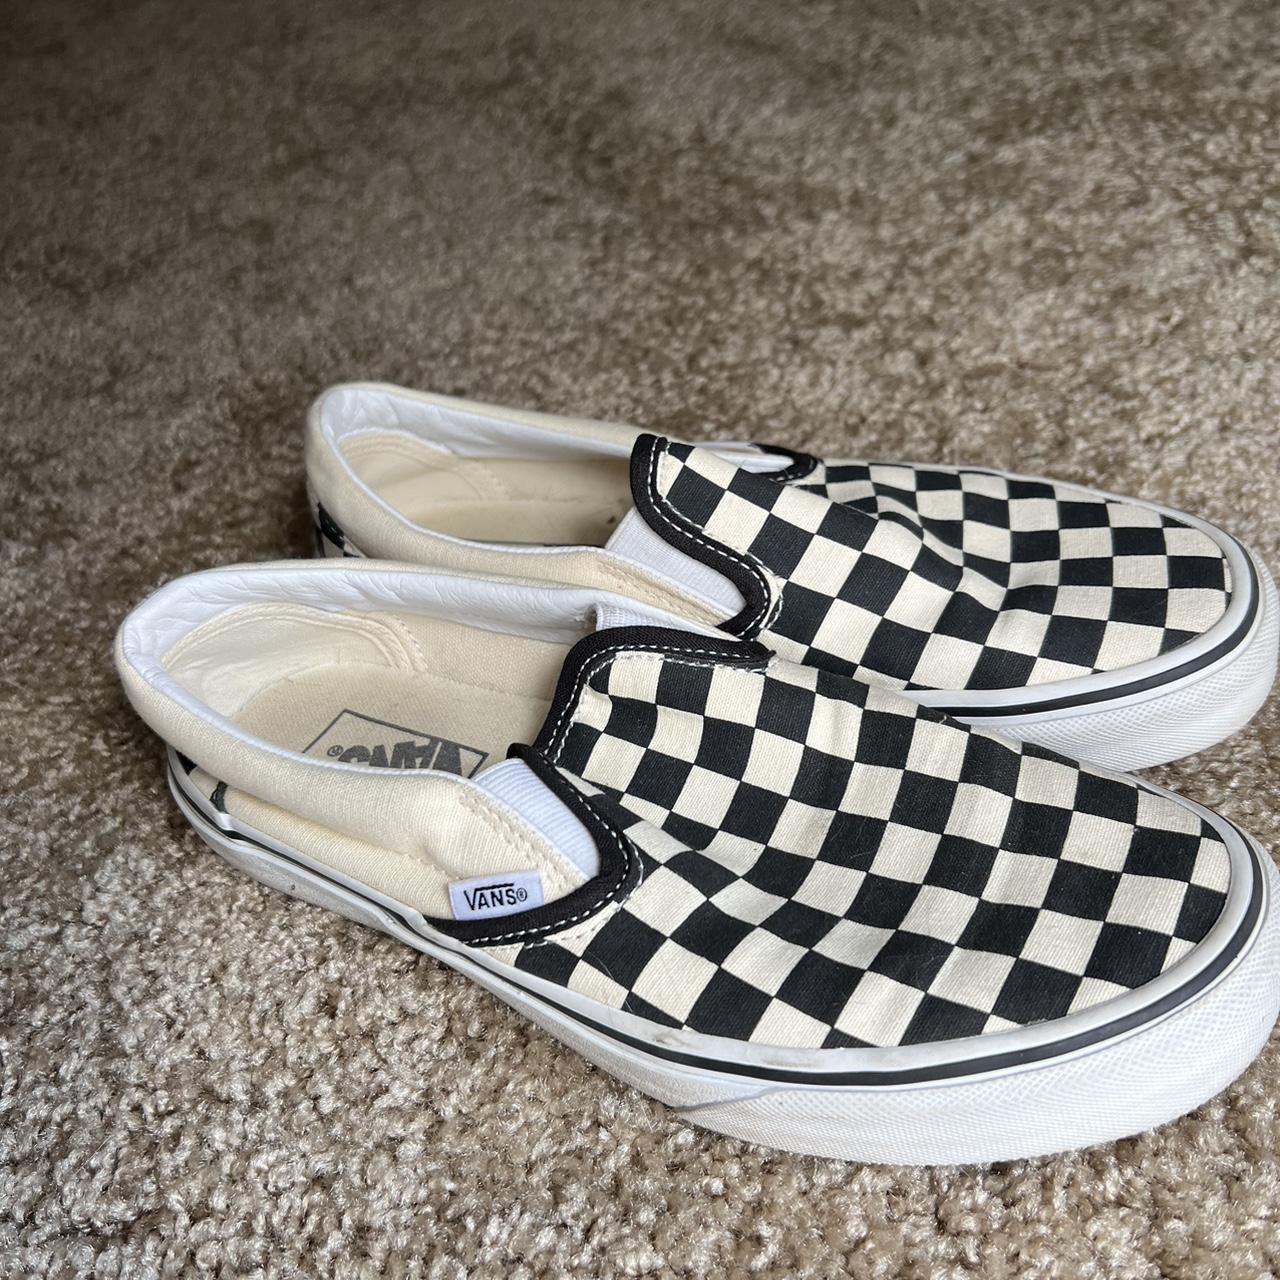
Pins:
<point x="277" y="872"/>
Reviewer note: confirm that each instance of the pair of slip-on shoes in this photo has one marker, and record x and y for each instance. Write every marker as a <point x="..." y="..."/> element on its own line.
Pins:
<point x="785" y="840"/>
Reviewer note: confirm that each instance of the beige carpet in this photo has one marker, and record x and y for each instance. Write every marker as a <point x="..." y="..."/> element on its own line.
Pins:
<point x="1018" y="234"/>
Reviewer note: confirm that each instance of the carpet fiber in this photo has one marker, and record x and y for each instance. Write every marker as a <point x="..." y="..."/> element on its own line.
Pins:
<point x="1041" y="236"/>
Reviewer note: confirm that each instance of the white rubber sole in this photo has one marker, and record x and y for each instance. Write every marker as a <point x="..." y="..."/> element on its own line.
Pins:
<point x="1138" y="1078"/>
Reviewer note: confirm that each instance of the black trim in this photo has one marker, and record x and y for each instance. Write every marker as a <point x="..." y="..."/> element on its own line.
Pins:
<point x="588" y="655"/>
<point x="916" y="1075"/>
<point x="673" y="527"/>
<point x="620" y="868"/>
<point x="802" y="464"/>
<point x="1135" y="686"/>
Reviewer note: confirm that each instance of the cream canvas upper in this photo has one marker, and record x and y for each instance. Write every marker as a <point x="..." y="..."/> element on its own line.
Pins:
<point x="243" y="669"/>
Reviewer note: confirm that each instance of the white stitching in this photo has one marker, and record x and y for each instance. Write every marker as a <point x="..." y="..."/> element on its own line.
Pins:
<point x="558" y="926"/>
<point x="553" y="754"/>
<point x="590" y="668"/>
<point x="801" y="470"/>
<point x="740" y="557"/>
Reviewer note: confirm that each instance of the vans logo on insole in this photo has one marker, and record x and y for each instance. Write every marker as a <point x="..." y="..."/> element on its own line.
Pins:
<point x="353" y="738"/>
<point x="490" y="896"/>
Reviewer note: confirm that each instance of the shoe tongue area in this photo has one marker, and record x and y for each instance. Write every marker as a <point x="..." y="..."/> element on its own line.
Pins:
<point x="735" y="534"/>
<point x="514" y="783"/>
<point x="637" y="542"/>
<point x="612" y="614"/>
<point x="648" y="535"/>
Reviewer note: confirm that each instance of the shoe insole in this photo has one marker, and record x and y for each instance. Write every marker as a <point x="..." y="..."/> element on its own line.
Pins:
<point x="550" y="502"/>
<point x="385" y="717"/>
<point x="387" y="690"/>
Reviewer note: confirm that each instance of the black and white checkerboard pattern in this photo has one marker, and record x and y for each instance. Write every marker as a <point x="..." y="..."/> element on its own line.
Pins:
<point x="829" y="864"/>
<point x="936" y="578"/>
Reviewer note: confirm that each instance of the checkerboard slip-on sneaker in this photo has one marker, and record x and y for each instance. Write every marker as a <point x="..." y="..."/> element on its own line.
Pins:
<point x="803" y="910"/>
<point x="1104" y="627"/>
